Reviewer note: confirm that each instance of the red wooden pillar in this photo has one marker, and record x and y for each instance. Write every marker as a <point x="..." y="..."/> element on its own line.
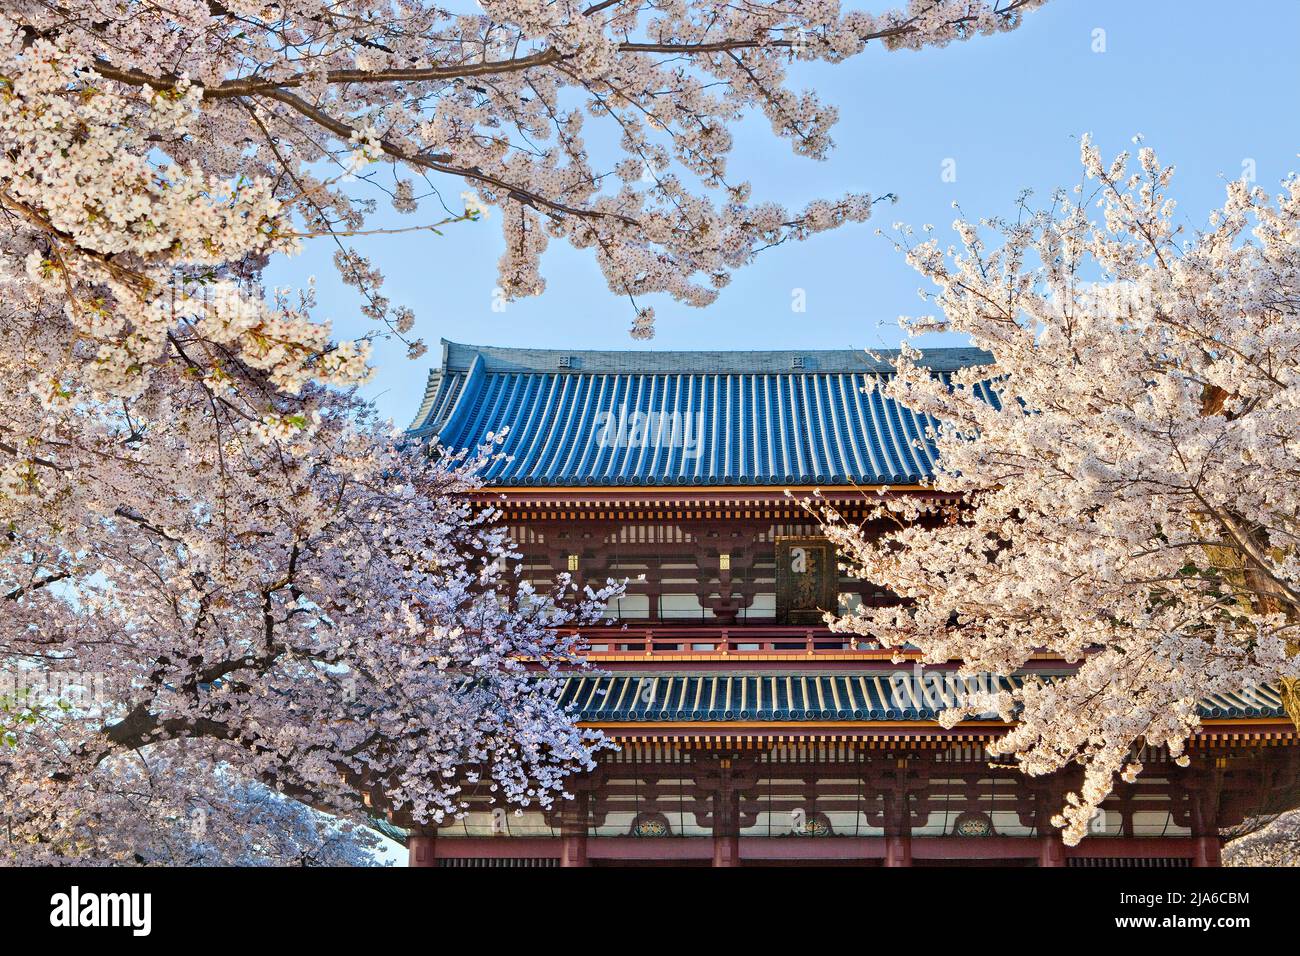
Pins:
<point x="1047" y="797"/>
<point x="898" y="849"/>
<point x="726" y="850"/>
<point x="573" y="831"/>
<point x="1207" y="852"/>
<point x="726" y="820"/>
<point x="898" y="819"/>
<point x="1205" y="794"/>
<point x="1051" y="851"/>
<point x="421" y="848"/>
<point x="573" y="849"/>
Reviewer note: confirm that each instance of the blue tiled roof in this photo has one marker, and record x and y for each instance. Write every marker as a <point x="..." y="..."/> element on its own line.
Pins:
<point x="681" y="418"/>
<point x="664" y="696"/>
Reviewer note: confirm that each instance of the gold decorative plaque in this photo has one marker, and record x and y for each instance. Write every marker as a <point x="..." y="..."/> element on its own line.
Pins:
<point x="807" y="580"/>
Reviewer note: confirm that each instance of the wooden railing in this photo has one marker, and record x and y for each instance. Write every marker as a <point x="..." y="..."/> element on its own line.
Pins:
<point x="652" y="640"/>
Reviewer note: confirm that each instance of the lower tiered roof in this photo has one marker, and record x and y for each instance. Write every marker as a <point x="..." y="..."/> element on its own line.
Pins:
<point x="810" y="697"/>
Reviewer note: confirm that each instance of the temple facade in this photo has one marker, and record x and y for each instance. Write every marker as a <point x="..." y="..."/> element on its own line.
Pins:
<point x="747" y="733"/>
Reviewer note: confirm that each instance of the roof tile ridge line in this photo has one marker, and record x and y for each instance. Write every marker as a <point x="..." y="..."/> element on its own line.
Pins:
<point x="726" y="428"/>
<point x="638" y="468"/>
<point x="665" y="454"/>
<point x="677" y="467"/>
<point x="433" y="398"/>
<point x="960" y="355"/>
<point x="880" y="407"/>
<point x="433" y="385"/>
<point x="895" y="414"/>
<point x="561" y="437"/>
<point x="744" y="438"/>
<point x="651" y="445"/>
<point x="672" y="461"/>
<point x="786" y="471"/>
<point x="832" y="454"/>
<point x="541" y="433"/>
<point x="474" y="379"/>
<point x="831" y="430"/>
<point x="560" y="446"/>
<point x="866" y="413"/>
<point x="802" y="435"/>
<point x="521" y="397"/>
<point x="750" y="468"/>
<point x="767" y="419"/>
<point x="580" y="442"/>
<point x="698" y="395"/>
<point x="713" y="474"/>
<point x="446" y="398"/>
<point x="618" y="399"/>
<point x="618" y="448"/>
<point x="847" y="426"/>
<point x="499" y="388"/>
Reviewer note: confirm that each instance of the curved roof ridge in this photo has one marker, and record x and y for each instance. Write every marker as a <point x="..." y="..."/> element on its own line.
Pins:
<point x="458" y="356"/>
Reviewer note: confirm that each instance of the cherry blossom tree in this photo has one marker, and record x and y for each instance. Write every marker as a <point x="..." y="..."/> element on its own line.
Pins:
<point x="310" y="606"/>
<point x="201" y="521"/>
<point x="1265" y="841"/>
<point x="146" y="144"/>
<point x="1124" y="468"/>
<point x="170" y="809"/>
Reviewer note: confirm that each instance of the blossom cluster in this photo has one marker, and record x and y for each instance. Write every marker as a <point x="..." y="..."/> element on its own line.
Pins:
<point x="1128" y="462"/>
<point x="194" y="134"/>
<point x="266" y="585"/>
<point x="295" y="603"/>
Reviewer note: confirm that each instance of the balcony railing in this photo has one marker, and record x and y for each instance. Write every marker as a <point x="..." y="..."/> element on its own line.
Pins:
<point x="678" y="641"/>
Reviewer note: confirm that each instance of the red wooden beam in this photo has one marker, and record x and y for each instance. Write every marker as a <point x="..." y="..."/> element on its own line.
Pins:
<point x="869" y="850"/>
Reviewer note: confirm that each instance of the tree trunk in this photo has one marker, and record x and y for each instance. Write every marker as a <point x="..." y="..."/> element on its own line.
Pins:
<point x="1291" y="697"/>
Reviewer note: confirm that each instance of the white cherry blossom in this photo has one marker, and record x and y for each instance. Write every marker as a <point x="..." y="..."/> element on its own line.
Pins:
<point x="1130" y="502"/>
<point x="198" y="516"/>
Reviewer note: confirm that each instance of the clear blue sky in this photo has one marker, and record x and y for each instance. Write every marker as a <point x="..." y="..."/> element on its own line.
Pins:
<point x="1207" y="84"/>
